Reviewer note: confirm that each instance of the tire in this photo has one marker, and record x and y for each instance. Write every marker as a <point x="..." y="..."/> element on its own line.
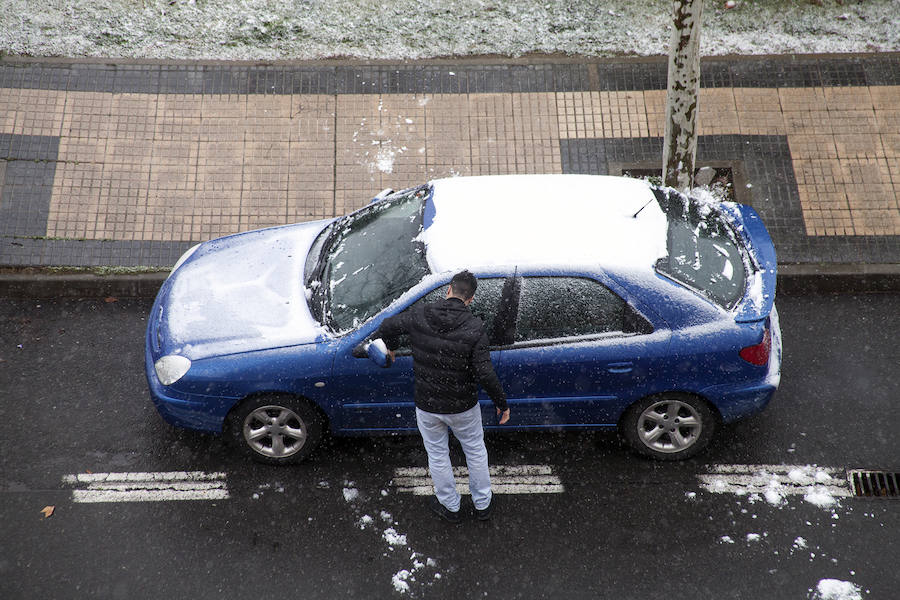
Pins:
<point x="275" y="429"/>
<point x="672" y="426"/>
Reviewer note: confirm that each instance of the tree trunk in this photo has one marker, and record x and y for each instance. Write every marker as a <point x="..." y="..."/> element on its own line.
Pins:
<point x="680" y="143"/>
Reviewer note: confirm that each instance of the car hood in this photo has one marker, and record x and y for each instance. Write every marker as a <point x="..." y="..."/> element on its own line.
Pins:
<point x="241" y="293"/>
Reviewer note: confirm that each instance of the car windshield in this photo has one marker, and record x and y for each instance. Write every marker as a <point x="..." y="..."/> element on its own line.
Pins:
<point x="369" y="259"/>
<point x="704" y="252"/>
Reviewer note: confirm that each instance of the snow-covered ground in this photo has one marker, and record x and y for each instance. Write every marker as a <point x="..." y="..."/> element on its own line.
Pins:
<point x="416" y="29"/>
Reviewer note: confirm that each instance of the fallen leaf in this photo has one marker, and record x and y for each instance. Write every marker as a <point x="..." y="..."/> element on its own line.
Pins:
<point x="110" y="299"/>
<point x="48" y="511"/>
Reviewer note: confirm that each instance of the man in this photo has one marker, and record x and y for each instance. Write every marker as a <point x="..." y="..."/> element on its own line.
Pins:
<point x="450" y="360"/>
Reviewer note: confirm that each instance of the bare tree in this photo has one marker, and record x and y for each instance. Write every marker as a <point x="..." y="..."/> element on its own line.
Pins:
<point x="682" y="96"/>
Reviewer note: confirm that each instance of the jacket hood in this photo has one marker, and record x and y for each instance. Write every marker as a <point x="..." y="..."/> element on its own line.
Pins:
<point x="447" y="314"/>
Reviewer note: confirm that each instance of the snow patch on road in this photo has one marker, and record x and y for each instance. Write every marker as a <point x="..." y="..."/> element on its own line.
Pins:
<point x="350" y="494"/>
<point x="419" y="569"/>
<point x="835" y="589"/>
<point x="817" y="485"/>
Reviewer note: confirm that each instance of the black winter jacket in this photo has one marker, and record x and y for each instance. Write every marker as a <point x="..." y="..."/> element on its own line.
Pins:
<point x="450" y="355"/>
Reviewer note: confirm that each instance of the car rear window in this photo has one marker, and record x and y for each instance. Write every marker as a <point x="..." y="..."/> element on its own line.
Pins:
<point x="703" y="253"/>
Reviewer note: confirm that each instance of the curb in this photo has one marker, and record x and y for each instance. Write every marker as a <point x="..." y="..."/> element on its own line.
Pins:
<point x="79" y="285"/>
<point x="793" y="279"/>
<point x="847" y="278"/>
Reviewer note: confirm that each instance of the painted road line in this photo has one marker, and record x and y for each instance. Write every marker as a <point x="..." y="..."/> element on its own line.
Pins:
<point x="505" y="479"/>
<point x="780" y="480"/>
<point x="148" y="487"/>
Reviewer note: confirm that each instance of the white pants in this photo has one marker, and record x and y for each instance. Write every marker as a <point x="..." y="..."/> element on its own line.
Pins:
<point x="467" y="428"/>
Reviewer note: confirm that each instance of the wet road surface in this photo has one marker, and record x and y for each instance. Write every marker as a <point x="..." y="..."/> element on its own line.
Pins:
<point x="73" y="401"/>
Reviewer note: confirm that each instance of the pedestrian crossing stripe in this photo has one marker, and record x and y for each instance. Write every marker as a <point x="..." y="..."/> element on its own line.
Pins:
<point x="147" y="487"/>
<point x="505" y="479"/>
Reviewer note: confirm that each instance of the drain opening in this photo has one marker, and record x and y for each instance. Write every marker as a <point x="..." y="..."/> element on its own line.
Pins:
<point x="874" y="484"/>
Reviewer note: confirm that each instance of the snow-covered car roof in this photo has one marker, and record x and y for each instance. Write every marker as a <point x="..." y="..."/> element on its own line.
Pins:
<point x="544" y="221"/>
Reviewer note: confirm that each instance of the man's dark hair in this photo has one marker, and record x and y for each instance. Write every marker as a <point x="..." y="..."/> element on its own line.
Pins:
<point x="463" y="285"/>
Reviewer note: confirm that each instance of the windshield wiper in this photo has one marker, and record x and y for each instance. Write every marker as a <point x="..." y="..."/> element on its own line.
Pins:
<point x="315" y="278"/>
<point x="330" y="237"/>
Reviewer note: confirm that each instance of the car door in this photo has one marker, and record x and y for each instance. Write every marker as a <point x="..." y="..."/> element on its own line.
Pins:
<point x="372" y="398"/>
<point x="581" y="354"/>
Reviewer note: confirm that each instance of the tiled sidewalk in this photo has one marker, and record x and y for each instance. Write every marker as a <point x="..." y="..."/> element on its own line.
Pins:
<point x="129" y="164"/>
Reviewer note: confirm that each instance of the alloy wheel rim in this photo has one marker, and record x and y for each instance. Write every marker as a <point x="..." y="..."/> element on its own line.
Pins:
<point x="275" y="431"/>
<point x="669" y="426"/>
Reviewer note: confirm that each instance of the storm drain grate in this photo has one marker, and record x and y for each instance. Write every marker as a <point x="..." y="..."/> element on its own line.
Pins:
<point x="878" y="484"/>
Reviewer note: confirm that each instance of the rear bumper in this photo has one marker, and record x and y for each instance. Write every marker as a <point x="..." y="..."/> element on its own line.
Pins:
<point x="737" y="404"/>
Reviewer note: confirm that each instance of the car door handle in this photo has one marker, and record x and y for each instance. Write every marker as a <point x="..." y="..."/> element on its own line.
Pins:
<point x="622" y="367"/>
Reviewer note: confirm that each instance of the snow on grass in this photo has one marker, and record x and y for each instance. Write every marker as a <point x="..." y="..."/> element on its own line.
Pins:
<point x="834" y="589"/>
<point x="416" y="29"/>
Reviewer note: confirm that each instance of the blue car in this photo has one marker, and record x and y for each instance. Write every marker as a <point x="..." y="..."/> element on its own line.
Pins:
<point x="608" y="303"/>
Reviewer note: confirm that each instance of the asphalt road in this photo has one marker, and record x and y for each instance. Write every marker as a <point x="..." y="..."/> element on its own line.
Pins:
<point x="73" y="401"/>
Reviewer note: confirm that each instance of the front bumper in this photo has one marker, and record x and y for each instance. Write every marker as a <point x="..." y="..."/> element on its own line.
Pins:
<point x="191" y="411"/>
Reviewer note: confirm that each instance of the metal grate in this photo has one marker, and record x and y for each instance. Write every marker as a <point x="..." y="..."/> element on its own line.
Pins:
<point x="874" y="484"/>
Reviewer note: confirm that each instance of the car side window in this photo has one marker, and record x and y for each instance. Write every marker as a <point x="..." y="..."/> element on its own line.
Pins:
<point x="485" y="305"/>
<point x="563" y="307"/>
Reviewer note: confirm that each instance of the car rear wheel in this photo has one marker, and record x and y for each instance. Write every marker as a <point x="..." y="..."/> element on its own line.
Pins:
<point x="276" y="429"/>
<point x="669" y="427"/>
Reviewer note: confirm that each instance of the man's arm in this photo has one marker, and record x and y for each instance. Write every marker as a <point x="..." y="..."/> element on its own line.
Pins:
<point x="392" y="328"/>
<point x="487" y="377"/>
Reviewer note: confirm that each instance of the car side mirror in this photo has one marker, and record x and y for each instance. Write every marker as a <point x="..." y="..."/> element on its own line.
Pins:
<point x="378" y="353"/>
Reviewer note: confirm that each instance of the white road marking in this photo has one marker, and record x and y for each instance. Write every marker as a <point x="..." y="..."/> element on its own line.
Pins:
<point x="781" y="479"/>
<point x="148" y="487"/>
<point x="521" y="479"/>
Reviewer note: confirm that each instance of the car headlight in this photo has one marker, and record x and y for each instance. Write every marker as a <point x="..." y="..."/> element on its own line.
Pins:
<point x="171" y="368"/>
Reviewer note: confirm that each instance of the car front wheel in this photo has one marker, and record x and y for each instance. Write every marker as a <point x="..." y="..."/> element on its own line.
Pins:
<point x="669" y="426"/>
<point x="276" y="429"/>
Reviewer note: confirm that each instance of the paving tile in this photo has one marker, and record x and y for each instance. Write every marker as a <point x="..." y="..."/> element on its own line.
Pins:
<point x="876" y="222"/>
<point x="882" y="70"/>
<point x="812" y="145"/>
<point x="132" y="116"/>
<point x="32" y="112"/>
<point x="891" y="144"/>
<point x="717" y="112"/>
<point x="885" y="97"/>
<point x="149" y="158"/>
<point x="858" y="145"/>
<point x="87" y="115"/>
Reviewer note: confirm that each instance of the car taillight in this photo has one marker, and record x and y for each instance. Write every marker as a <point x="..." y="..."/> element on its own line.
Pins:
<point x="758" y="354"/>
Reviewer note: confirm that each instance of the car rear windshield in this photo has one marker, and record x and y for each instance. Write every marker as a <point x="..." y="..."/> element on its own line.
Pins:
<point x="703" y="251"/>
<point x="374" y="257"/>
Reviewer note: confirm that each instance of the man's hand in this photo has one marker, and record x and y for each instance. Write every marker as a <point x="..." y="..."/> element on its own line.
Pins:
<point x="504" y="415"/>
